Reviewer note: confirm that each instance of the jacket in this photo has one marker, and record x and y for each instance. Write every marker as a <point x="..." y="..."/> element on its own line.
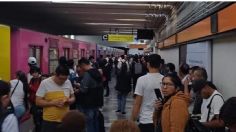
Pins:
<point x="175" y="115"/>
<point x="91" y="90"/>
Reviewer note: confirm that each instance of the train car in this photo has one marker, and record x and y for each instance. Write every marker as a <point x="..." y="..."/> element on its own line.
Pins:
<point x="18" y="44"/>
<point x="44" y="47"/>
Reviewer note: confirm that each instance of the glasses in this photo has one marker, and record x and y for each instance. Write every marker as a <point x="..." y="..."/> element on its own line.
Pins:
<point x="166" y="84"/>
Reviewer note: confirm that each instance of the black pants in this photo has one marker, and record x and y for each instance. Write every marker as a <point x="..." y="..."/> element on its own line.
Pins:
<point x="37" y="113"/>
<point x="146" y="127"/>
<point x="48" y="126"/>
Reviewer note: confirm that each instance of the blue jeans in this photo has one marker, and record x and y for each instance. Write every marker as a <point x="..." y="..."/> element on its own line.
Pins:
<point x="91" y="114"/>
<point x="121" y="101"/>
<point x="19" y="111"/>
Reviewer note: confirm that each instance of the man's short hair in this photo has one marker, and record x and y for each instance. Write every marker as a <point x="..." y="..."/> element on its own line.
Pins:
<point x="154" y="60"/>
<point x="83" y="61"/>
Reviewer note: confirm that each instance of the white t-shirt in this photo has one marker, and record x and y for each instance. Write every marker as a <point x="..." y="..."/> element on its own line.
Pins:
<point x="17" y="97"/>
<point x="48" y="85"/>
<point x="145" y="88"/>
<point x="10" y="124"/>
<point x="216" y="105"/>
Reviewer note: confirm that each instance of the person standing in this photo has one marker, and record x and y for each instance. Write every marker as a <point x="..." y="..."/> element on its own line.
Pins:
<point x="123" y="84"/>
<point x="8" y="121"/>
<point x="33" y="87"/>
<point x="90" y="95"/>
<point x="145" y="95"/>
<point x="54" y="95"/>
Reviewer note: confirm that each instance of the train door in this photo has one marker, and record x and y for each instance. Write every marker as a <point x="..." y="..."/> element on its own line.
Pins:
<point x="75" y="56"/>
<point x="53" y="59"/>
<point x="36" y="51"/>
<point x="67" y="53"/>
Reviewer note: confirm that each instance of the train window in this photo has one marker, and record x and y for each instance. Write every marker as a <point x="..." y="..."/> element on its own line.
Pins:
<point x="67" y="53"/>
<point x="82" y="52"/>
<point x="53" y="59"/>
<point x="36" y="51"/>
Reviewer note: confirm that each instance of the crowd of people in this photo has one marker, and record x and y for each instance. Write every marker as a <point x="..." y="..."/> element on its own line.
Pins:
<point x="70" y="98"/>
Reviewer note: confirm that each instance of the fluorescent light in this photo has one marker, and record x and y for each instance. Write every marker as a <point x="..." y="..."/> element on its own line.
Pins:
<point x="110" y="24"/>
<point x="135" y="20"/>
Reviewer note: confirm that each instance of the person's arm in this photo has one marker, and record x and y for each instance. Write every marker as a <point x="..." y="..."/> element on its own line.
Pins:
<point x="138" y="99"/>
<point x="178" y="115"/>
<point x="216" y="123"/>
<point x="157" y="112"/>
<point x="136" y="107"/>
<point x="40" y="101"/>
<point x="71" y="100"/>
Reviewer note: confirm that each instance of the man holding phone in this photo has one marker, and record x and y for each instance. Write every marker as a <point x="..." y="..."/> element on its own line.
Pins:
<point x="145" y="94"/>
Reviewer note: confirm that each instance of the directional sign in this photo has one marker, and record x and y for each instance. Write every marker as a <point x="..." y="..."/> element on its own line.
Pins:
<point x="120" y="38"/>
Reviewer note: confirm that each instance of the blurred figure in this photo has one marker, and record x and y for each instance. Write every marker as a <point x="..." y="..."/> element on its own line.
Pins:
<point x="8" y="121"/>
<point x="32" y="62"/>
<point x="54" y="95"/>
<point x="33" y="87"/>
<point x="228" y="114"/>
<point x="90" y="96"/>
<point x="123" y="84"/>
<point x="19" y="90"/>
<point x="211" y="104"/>
<point x="73" y="121"/>
<point x="93" y="63"/>
<point x="137" y="70"/>
<point x="170" y="67"/>
<point x="124" y="126"/>
<point x="184" y="72"/>
<point x="143" y="106"/>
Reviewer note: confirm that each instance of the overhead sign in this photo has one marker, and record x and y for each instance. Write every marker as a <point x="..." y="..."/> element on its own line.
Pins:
<point x="120" y="38"/>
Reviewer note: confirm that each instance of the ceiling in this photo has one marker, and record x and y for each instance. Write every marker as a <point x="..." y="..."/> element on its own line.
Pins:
<point x="87" y="18"/>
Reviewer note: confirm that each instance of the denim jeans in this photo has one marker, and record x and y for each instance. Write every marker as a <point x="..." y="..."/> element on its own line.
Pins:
<point x="121" y="101"/>
<point x="19" y="111"/>
<point x="92" y="122"/>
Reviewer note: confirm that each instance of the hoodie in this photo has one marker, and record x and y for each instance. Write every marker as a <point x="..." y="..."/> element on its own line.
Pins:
<point x="175" y="115"/>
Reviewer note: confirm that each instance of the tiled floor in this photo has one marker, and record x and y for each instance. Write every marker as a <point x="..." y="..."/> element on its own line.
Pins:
<point x="110" y="106"/>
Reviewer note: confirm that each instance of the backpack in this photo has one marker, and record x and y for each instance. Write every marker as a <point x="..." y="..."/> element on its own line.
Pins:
<point x="138" y="68"/>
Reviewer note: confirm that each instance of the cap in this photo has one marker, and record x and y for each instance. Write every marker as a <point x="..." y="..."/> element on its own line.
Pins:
<point x="32" y="61"/>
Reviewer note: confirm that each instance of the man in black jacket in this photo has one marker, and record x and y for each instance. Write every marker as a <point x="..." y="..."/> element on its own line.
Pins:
<point x="90" y="96"/>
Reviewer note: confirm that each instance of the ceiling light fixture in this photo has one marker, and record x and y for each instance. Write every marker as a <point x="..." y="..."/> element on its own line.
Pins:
<point x="112" y="3"/>
<point x="110" y="24"/>
<point x="135" y="20"/>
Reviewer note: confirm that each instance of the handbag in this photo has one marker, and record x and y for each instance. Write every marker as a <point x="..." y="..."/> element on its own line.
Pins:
<point x="195" y="126"/>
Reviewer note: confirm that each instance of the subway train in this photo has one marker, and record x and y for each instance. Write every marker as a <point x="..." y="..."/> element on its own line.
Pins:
<point x="18" y="44"/>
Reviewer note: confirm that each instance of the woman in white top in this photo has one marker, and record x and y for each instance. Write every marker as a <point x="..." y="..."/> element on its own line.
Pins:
<point x="8" y="121"/>
<point x="184" y="72"/>
<point x="17" y="95"/>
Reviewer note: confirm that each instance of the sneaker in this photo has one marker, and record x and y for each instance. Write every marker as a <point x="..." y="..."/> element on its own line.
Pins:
<point x="118" y="111"/>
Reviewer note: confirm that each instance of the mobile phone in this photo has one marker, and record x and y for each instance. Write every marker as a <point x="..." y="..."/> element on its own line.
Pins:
<point x="158" y="94"/>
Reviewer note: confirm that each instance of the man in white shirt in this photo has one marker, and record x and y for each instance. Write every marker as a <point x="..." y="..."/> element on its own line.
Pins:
<point x="211" y="105"/>
<point x="145" y="95"/>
